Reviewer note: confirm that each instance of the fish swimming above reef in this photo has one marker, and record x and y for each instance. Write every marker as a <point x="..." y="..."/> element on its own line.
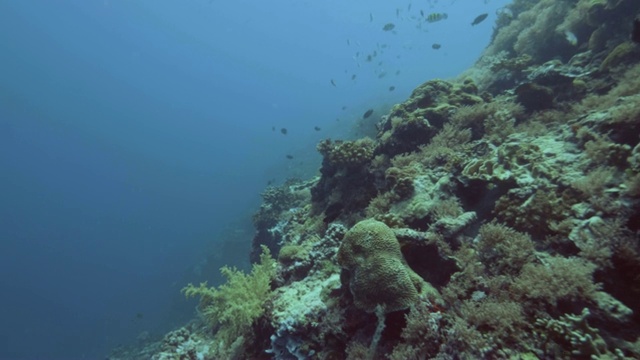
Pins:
<point x="635" y="33"/>
<point x="284" y="131"/>
<point x="435" y="17"/>
<point x="391" y="88"/>
<point x="388" y="27"/>
<point x="571" y="37"/>
<point x="370" y="17"/>
<point x="367" y="113"/>
<point x="480" y="18"/>
<point x="436" y="46"/>
<point x="333" y="82"/>
<point x="317" y="128"/>
<point x="290" y="157"/>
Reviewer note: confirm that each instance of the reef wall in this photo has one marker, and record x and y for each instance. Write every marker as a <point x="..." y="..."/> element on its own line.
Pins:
<point x="493" y="216"/>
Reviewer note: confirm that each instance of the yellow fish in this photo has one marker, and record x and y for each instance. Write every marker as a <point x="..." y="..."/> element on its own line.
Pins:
<point x="434" y="17"/>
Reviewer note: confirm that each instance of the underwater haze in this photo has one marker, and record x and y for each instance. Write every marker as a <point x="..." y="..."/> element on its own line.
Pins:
<point x="134" y="133"/>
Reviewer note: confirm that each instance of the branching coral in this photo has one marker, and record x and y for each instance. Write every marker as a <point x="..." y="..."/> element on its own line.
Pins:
<point x="574" y="333"/>
<point x="504" y="250"/>
<point x="566" y="279"/>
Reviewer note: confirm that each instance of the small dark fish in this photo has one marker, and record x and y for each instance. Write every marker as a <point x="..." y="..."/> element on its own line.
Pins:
<point x="397" y="12"/>
<point x="375" y="53"/>
<point x="290" y="157"/>
<point x="391" y="88"/>
<point x="370" y="17"/>
<point x="317" y="128"/>
<point x="333" y="83"/>
<point x="635" y="33"/>
<point x="369" y="58"/>
<point x="480" y="18"/>
<point x="139" y="315"/>
<point x="421" y="13"/>
<point x="397" y="72"/>
<point x="367" y="113"/>
<point x="273" y="128"/>
<point x="381" y="75"/>
<point x="435" y="17"/>
<point x="344" y="107"/>
<point x="388" y="27"/>
<point x="409" y="7"/>
<point x="283" y="131"/>
<point x="348" y="42"/>
<point x="353" y="77"/>
<point x="436" y="46"/>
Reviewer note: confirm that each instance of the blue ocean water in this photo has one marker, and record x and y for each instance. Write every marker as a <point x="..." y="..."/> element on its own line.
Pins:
<point x="134" y="134"/>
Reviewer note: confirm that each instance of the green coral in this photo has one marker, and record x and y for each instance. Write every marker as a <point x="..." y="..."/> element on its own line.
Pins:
<point x="379" y="274"/>
<point x="618" y="55"/>
<point x="504" y="250"/>
<point x="347" y="154"/>
<point x="291" y="253"/>
<point x="436" y="100"/>
<point x="574" y="333"/>
<point x="234" y="306"/>
<point x="558" y="279"/>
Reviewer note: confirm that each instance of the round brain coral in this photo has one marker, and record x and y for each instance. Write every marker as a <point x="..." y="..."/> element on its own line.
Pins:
<point x="379" y="274"/>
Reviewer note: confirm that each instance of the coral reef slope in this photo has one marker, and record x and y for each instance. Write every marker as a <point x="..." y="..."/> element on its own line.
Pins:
<point x="493" y="216"/>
